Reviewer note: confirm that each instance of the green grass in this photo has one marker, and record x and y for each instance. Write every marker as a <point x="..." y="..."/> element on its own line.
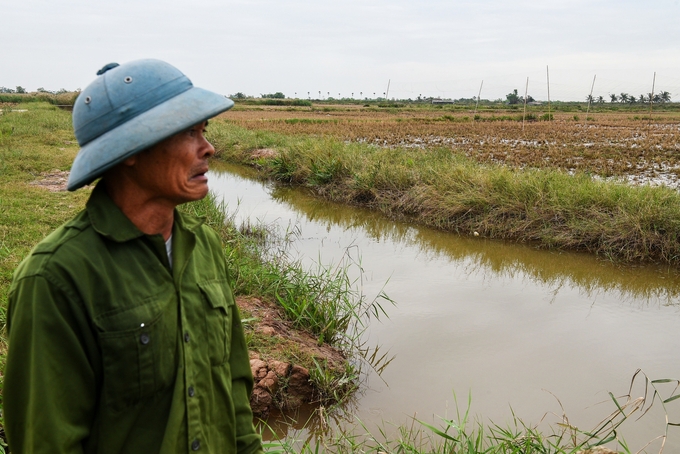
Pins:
<point x="442" y="189"/>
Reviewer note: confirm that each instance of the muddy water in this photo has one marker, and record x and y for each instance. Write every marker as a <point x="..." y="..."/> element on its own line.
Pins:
<point x="520" y="330"/>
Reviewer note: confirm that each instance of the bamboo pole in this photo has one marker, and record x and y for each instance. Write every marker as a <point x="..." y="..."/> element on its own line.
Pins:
<point x="387" y="93"/>
<point x="478" y="96"/>
<point x="524" y="115"/>
<point x="547" y="72"/>
<point x="590" y="98"/>
<point x="651" y="101"/>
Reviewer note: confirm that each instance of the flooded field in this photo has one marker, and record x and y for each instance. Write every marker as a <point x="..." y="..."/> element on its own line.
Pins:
<point x="520" y="330"/>
<point x="626" y="145"/>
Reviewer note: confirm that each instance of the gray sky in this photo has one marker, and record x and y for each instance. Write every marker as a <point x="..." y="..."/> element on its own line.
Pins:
<point x="430" y="47"/>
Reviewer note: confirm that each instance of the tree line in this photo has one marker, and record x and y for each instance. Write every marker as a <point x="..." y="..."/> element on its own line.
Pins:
<point x="625" y="98"/>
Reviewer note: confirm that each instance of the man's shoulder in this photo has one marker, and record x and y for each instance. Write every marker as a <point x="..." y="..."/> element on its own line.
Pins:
<point x="53" y="244"/>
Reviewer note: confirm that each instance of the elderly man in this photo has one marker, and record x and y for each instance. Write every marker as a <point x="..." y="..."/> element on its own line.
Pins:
<point x="123" y="332"/>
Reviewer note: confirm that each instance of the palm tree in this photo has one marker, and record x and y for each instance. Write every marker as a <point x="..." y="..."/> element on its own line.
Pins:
<point x="613" y="97"/>
<point x="623" y="97"/>
<point x="632" y="99"/>
<point x="600" y="99"/>
<point x="590" y="98"/>
<point x="641" y="99"/>
<point x="665" y="96"/>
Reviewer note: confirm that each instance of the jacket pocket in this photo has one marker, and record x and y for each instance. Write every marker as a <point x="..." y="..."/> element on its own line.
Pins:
<point x="138" y="352"/>
<point x="220" y="301"/>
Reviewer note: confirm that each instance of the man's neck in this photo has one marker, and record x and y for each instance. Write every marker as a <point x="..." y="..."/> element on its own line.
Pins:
<point x="151" y="216"/>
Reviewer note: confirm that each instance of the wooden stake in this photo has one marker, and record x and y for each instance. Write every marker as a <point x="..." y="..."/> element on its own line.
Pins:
<point x="526" y="92"/>
<point x="651" y="100"/>
<point x="547" y="72"/>
<point x="590" y="98"/>
<point x="478" y="95"/>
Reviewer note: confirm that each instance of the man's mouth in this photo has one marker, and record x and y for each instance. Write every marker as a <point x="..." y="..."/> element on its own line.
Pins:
<point x="200" y="175"/>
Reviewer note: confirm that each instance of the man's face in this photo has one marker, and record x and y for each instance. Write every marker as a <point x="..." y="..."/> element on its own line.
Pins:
<point x="174" y="170"/>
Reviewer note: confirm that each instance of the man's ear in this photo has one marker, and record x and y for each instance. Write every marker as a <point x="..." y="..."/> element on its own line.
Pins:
<point x="131" y="161"/>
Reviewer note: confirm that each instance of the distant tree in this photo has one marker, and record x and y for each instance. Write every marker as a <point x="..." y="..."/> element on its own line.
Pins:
<point x="623" y="97"/>
<point x="20" y="89"/>
<point x="6" y="90"/>
<point x="41" y="90"/>
<point x="238" y="95"/>
<point x="642" y="99"/>
<point x="613" y="97"/>
<point x="277" y="95"/>
<point x="600" y="99"/>
<point x="632" y="100"/>
<point x="665" y="97"/>
<point x="590" y="99"/>
<point x="656" y="98"/>
<point x="513" y="98"/>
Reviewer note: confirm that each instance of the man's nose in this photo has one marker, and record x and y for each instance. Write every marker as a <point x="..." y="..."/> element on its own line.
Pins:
<point x="207" y="149"/>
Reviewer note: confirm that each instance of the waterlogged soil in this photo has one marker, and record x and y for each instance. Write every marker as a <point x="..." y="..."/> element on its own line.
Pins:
<point x="629" y="146"/>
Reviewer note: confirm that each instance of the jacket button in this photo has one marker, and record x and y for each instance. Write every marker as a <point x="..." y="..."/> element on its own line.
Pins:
<point x="195" y="445"/>
<point x="186" y="337"/>
<point x="144" y="339"/>
<point x="192" y="392"/>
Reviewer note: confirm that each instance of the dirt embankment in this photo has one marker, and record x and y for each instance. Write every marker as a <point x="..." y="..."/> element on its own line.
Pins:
<point x="279" y="383"/>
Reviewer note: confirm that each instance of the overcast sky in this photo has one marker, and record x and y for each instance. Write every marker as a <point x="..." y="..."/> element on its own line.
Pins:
<point x="428" y="47"/>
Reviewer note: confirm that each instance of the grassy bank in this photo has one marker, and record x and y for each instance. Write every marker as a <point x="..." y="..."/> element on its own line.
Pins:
<point x="438" y="187"/>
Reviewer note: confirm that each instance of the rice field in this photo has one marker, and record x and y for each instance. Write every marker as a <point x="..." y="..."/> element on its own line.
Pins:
<point x="626" y="145"/>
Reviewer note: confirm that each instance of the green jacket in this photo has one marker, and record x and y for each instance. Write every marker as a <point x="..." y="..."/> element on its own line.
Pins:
<point x="111" y="351"/>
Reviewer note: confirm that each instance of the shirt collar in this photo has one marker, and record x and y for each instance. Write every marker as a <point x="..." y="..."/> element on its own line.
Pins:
<point x="109" y="221"/>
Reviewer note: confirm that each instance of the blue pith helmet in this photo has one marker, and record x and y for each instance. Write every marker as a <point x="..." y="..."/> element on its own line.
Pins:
<point x="131" y="107"/>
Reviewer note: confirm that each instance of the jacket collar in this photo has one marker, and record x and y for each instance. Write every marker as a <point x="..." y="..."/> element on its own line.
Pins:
<point x="109" y="221"/>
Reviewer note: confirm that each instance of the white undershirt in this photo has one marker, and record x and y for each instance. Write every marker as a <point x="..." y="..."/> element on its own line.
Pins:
<point x="168" y="249"/>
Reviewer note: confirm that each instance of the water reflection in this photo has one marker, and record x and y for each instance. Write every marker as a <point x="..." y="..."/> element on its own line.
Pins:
<point x="635" y="284"/>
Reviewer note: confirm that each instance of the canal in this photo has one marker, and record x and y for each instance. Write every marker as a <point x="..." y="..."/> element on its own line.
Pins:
<point x="528" y="332"/>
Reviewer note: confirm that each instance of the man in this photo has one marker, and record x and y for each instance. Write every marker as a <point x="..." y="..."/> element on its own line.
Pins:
<point x="123" y="332"/>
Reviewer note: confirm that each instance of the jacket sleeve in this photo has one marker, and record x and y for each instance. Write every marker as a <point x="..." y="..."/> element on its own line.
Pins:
<point x="247" y="439"/>
<point x="49" y="390"/>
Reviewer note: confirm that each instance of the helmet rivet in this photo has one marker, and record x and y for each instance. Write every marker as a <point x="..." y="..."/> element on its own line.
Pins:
<point x="128" y="79"/>
<point x="87" y="100"/>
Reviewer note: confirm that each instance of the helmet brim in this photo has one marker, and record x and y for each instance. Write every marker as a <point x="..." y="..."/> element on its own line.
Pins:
<point x="143" y="131"/>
